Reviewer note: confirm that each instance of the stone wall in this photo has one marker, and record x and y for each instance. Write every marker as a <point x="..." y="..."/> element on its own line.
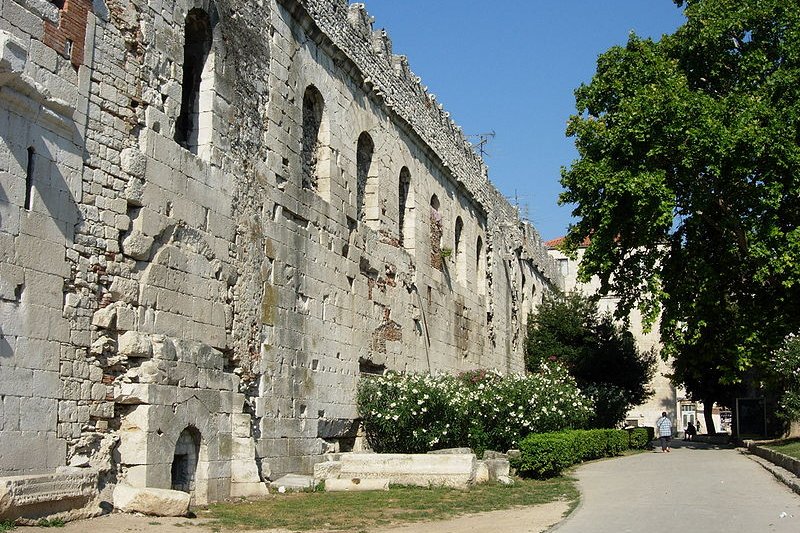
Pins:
<point x="235" y="283"/>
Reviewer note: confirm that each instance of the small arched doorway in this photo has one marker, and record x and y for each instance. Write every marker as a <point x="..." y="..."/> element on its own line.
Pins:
<point x="184" y="461"/>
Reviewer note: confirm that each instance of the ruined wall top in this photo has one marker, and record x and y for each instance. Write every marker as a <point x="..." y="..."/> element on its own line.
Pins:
<point x="389" y="78"/>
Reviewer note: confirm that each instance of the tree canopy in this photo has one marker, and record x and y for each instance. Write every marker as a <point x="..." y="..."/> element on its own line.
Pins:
<point x="599" y="354"/>
<point x="688" y="184"/>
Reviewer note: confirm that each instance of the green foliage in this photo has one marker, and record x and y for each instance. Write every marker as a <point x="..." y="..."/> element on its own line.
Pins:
<point x="688" y="184"/>
<point x="52" y="522"/>
<point x="6" y="525"/>
<point x="784" y="378"/>
<point x="601" y="355"/>
<point x="640" y="438"/>
<point x="544" y="455"/>
<point x="416" y="413"/>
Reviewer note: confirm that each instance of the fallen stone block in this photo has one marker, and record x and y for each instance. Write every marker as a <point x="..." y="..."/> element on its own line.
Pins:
<point x="453" y="470"/>
<point x="356" y="484"/>
<point x="450" y="451"/>
<point x="155" y="502"/>
<point x="293" y="482"/>
<point x="54" y="494"/>
<point x="481" y="473"/>
<point x="498" y="468"/>
<point x="326" y="470"/>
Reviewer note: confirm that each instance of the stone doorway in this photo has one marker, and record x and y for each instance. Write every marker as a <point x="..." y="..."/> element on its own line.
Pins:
<point x="184" y="461"/>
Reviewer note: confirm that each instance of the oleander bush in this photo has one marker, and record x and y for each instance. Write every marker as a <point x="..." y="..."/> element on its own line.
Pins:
<point x="416" y="413"/>
<point x="544" y="455"/>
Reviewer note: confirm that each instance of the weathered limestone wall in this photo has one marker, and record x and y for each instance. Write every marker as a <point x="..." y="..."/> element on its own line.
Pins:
<point x="319" y="217"/>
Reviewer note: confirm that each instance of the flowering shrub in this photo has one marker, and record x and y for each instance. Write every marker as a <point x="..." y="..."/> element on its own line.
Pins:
<point x="785" y="375"/>
<point x="481" y="409"/>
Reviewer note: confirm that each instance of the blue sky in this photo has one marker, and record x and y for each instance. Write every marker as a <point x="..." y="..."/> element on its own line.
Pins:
<point x="511" y="67"/>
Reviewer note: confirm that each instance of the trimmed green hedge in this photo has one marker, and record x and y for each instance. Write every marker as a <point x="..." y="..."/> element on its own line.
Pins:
<point x="544" y="455"/>
<point x="640" y="438"/>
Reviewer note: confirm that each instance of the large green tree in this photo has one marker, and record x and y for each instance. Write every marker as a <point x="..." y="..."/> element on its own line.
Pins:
<point x="688" y="184"/>
<point x="601" y="355"/>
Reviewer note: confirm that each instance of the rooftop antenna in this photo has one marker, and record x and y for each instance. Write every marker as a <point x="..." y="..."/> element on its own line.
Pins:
<point x="482" y="141"/>
<point x="523" y="211"/>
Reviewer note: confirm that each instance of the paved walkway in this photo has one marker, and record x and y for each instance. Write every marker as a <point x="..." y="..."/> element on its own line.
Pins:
<point x="695" y="488"/>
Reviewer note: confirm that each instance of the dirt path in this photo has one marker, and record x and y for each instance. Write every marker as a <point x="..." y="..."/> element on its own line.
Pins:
<point x="534" y="519"/>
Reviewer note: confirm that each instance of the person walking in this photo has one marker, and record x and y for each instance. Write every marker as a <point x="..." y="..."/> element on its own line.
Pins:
<point x="664" y="429"/>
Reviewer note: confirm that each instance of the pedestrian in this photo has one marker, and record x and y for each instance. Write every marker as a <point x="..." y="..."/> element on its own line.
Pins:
<point x="691" y="431"/>
<point x="664" y="429"/>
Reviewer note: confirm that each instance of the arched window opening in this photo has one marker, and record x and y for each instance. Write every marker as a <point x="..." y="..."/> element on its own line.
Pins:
<point x="184" y="461"/>
<point x="524" y="296"/>
<point x="404" y="208"/>
<point x="458" y="249"/>
<point x="480" y="267"/>
<point x="436" y="234"/>
<point x="313" y="105"/>
<point x="29" y="179"/>
<point x="193" y="127"/>
<point x="366" y="186"/>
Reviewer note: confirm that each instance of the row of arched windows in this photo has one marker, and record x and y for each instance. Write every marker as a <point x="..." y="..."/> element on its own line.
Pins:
<point x="193" y="132"/>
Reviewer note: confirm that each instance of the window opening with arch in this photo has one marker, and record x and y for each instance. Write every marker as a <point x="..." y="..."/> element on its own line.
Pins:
<point x="480" y="267"/>
<point x="29" y="169"/>
<point x="366" y="182"/>
<point x="314" y="152"/>
<point x="405" y="210"/>
<point x="193" y="129"/>
<point x="184" y="461"/>
<point x="436" y="232"/>
<point x="458" y="249"/>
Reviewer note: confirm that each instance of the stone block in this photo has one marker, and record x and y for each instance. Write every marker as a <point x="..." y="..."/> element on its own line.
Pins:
<point x="248" y="490"/>
<point x="337" y="428"/>
<point x="133" y="344"/>
<point x="241" y="425"/>
<point x="481" y="472"/>
<point x="498" y="468"/>
<point x="13" y="56"/>
<point x="154" y="502"/>
<point x="293" y="482"/>
<point x="105" y="317"/>
<point x="326" y="470"/>
<point x="453" y="470"/>
<point x="356" y="484"/>
<point x="35" y="496"/>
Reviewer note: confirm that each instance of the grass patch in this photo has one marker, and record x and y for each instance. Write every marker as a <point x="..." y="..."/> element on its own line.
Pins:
<point x="6" y="525"/>
<point x="790" y="448"/>
<point x="53" y="522"/>
<point x="365" y="510"/>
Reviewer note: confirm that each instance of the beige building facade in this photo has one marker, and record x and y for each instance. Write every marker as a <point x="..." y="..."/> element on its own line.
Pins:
<point x="665" y="395"/>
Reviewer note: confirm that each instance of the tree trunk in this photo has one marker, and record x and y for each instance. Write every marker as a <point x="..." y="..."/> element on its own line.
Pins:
<point x="708" y="414"/>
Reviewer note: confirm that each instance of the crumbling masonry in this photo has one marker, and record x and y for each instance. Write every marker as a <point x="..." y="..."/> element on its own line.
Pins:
<point x="215" y="217"/>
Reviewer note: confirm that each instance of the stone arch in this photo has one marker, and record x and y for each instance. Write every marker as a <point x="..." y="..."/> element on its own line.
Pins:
<point x="366" y="182"/>
<point x="405" y="210"/>
<point x="29" y="172"/>
<point x="480" y="267"/>
<point x="458" y="249"/>
<point x="185" y="459"/>
<point x="315" y="156"/>
<point x="194" y="125"/>
<point x="436" y="233"/>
